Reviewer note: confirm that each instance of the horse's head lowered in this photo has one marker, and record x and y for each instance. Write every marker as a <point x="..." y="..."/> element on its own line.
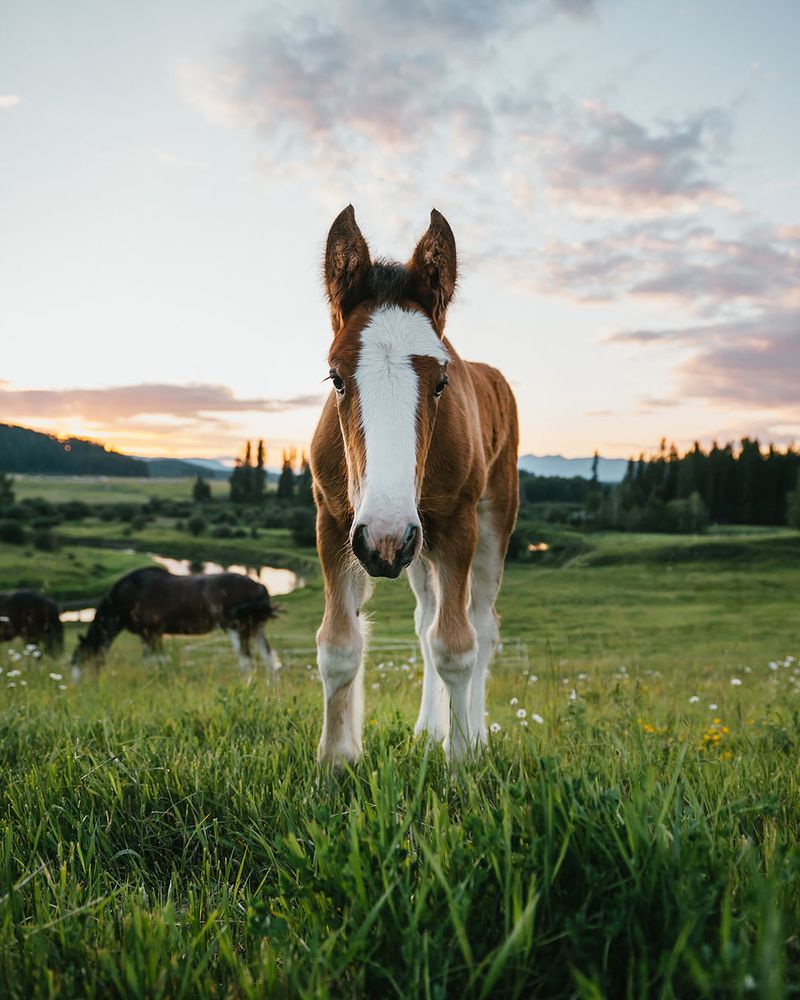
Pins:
<point x="388" y="367"/>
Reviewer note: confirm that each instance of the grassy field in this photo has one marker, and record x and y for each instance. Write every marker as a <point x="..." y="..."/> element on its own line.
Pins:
<point x="104" y="490"/>
<point x="632" y="829"/>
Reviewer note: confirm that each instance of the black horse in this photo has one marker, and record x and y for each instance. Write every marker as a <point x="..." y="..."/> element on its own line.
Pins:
<point x="32" y="616"/>
<point x="152" y="602"/>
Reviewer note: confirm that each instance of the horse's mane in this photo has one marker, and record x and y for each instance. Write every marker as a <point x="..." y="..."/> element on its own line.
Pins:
<point x="388" y="282"/>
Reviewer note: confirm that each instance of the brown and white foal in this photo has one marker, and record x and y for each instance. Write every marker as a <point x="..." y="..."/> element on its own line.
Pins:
<point x="415" y="467"/>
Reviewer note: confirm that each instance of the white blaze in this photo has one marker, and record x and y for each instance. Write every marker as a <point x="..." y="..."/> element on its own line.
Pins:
<point x="388" y="390"/>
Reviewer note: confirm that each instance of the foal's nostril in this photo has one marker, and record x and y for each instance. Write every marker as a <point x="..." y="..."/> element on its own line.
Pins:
<point x="360" y="542"/>
<point x="408" y="545"/>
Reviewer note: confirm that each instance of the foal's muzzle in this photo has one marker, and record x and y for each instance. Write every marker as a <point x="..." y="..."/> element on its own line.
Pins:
<point x="390" y="557"/>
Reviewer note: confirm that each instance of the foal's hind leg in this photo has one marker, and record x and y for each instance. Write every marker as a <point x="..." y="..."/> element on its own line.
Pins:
<point x="340" y="644"/>
<point x="487" y="573"/>
<point x="433" y="708"/>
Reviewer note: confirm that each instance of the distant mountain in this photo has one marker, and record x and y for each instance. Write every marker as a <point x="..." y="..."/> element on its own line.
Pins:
<point x="186" y="468"/>
<point x="609" y="470"/>
<point x="26" y="451"/>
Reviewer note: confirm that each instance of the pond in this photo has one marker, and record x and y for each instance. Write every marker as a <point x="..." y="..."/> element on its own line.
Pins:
<point x="277" y="581"/>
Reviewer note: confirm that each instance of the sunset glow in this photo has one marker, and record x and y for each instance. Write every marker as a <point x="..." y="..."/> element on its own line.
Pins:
<point x="621" y="179"/>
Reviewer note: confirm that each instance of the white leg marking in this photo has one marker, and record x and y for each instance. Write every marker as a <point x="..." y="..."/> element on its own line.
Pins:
<point x="433" y="712"/>
<point x="268" y="655"/>
<point x="340" y="652"/>
<point x="456" y="670"/>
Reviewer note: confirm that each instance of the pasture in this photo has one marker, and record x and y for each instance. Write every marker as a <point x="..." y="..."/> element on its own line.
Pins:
<point x="632" y="829"/>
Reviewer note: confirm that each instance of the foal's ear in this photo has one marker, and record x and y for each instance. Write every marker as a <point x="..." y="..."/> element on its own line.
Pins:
<point x="432" y="269"/>
<point x="347" y="267"/>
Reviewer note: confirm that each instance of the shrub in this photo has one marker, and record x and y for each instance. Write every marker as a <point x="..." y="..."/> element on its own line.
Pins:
<point x="12" y="532"/>
<point x="303" y="526"/>
<point x="196" y="525"/>
<point x="45" y="540"/>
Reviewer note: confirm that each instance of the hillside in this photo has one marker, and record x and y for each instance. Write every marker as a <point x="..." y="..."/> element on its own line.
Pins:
<point x="609" y="470"/>
<point x="27" y="451"/>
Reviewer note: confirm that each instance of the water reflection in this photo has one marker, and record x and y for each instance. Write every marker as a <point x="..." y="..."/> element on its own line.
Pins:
<point x="277" y="581"/>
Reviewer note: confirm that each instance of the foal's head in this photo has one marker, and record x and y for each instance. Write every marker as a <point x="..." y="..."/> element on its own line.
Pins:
<point x="388" y="367"/>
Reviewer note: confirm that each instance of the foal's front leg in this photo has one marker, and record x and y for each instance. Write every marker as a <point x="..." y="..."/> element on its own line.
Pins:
<point x="452" y="636"/>
<point x="340" y="644"/>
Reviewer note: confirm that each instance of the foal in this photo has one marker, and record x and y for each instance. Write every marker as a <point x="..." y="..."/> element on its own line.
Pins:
<point x="415" y="466"/>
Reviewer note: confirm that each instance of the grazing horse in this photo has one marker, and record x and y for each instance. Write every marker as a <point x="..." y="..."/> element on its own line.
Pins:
<point x="151" y="602"/>
<point x="414" y="464"/>
<point x="32" y="616"/>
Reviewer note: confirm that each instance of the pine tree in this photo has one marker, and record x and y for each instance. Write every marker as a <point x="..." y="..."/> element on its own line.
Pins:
<point x="201" y="491"/>
<point x="260" y="474"/>
<point x="286" y="480"/>
<point x="305" y="494"/>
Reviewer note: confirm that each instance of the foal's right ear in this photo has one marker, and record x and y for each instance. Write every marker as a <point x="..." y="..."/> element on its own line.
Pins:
<point x="347" y="267"/>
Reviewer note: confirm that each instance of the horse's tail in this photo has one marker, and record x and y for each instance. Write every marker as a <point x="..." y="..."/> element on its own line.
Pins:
<point x="260" y="609"/>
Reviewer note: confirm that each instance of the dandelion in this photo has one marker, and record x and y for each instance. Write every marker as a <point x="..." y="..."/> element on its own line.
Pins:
<point x="514" y="701"/>
<point x="694" y="699"/>
<point x="521" y="713"/>
<point x="735" y="681"/>
<point x="495" y="727"/>
<point x="56" y="677"/>
<point x="537" y="718"/>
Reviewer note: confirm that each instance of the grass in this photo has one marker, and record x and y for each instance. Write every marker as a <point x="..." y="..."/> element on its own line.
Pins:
<point x="164" y="832"/>
<point x="105" y="489"/>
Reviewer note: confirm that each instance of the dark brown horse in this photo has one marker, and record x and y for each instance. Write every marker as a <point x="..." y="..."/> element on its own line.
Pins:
<point x="32" y="616"/>
<point x="152" y="602"/>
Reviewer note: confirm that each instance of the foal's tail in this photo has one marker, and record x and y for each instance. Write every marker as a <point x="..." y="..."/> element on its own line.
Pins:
<point x="54" y="636"/>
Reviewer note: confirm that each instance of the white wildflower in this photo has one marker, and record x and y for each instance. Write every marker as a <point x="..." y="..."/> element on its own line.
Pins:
<point x="62" y="687"/>
<point x="772" y="665"/>
<point x="533" y="679"/>
<point x="524" y="723"/>
<point x="749" y="982"/>
<point x="376" y="686"/>
<point x="12" y="684"/>
<point x="495" y="727"/>
<point x="14" y="673"/>
<point x="521" y="713"/>
<point x="514" y="701"/>
<point x="537" y="718"/>
<point x="573" y="695"/>
<point x="713" y="706"/>
<point x="694" y="699"/>
<point x="735" y="681"/>
<point x="56" y="677"/>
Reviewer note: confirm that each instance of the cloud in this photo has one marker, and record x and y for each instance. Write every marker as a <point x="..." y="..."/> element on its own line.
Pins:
<point x="598" y="162"/>
<point x="690" y="266"/>
<point x="9" y="101"/>
<point x="751" y="362"/>
<point x="171" y="405"/>
<point x="386" y="96"/>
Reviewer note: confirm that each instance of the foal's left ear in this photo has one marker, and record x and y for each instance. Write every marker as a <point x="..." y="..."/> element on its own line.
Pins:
<point x="347" y="267"/>
<point x="432" y="270"/>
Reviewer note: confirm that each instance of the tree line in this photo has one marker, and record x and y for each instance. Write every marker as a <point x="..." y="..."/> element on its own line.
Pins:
<point x="677" y="492"/>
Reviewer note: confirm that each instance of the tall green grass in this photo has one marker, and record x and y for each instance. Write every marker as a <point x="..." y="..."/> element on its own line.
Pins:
<point x="164" y="831"/>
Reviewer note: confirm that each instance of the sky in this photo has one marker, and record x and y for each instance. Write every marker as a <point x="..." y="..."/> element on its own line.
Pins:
<point x="622" y="178"/>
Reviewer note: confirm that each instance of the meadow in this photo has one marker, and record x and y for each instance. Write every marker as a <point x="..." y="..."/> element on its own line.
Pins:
<point x="631" y="829"/>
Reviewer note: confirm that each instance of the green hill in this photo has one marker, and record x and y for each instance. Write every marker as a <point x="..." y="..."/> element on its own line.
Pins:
<point x="27" y="451"/>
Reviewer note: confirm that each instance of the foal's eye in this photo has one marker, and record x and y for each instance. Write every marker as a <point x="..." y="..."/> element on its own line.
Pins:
<point x="338" y="383"/>
<point x="440" y="386"/>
